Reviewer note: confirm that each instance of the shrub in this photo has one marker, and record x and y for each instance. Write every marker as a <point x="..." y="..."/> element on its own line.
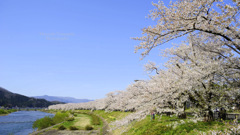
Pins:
<point x="48" y="121"/>
<point x="60" y="117"/>
<point x="43" y="123"/>
<point x="61" y="127"/>
<point x="73" y="128"/>
<point x="88" y="127"/>
<point x="70" y="119"/>
<point x="2" y="111"/>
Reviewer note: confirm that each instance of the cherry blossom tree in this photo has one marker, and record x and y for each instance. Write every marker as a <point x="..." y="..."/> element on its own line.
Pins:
<point x="199" y="17"/>
<point x="205" y="78"/>
<point x="204" y="69"/>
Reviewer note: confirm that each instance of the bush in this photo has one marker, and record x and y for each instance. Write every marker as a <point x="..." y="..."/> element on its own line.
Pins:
<point x="2" y="111"/>
<point x="61" y="127"/>
<point x="73" y="128"/>
<point x="70" y="119"/>
<point x="60" y="117"/>
<point x="43" y="123"/>
<point x="88" y="127"/>
<point x="48" y="121"/>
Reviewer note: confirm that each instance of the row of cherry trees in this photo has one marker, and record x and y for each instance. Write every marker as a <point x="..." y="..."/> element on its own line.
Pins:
<point x="204" y="69"/>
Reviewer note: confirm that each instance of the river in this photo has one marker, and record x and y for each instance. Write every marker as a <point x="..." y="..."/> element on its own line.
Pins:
<point x="20" y="123"/>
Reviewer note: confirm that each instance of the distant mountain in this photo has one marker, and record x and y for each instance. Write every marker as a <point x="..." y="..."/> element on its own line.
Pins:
<point x="63" y="99"/>
<point x="9" y="99"/>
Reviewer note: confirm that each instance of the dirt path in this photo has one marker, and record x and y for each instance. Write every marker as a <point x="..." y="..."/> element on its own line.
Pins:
<point x="105" y="128"/>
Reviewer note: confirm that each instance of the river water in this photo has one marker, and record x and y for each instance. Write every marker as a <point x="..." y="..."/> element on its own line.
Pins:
<point x="20" y="123"/>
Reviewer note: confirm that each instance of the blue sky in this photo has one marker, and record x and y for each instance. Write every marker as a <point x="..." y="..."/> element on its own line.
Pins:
<point x="81" y="49"/>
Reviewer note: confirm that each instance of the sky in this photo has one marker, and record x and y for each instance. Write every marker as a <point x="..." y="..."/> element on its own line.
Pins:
<point x="72" y="48"/>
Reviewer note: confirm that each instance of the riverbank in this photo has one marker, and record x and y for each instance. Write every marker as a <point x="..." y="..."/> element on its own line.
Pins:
<point x="4" y="112"/>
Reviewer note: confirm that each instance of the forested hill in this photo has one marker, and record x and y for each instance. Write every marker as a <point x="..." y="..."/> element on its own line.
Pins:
<point x="63" y="99"/>
<point x="9" y="99"/>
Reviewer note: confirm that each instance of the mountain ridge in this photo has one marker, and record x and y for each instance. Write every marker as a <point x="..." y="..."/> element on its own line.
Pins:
<point x="10" y="99"/>
<point x="62" y="99"/>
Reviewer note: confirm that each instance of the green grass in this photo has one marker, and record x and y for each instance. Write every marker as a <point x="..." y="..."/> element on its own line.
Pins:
<point x="96" y="122"/>
<point x="82" y="118"/>
<point x="4" y="111"/>
<point x="67" y="124"/>
<point x="111" y="116"/>
<point x="165" y="126"/>
<point x="95" y="119"/>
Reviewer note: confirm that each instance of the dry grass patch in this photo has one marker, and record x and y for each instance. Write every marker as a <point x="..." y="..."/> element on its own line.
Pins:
<point x="82" y="120"/>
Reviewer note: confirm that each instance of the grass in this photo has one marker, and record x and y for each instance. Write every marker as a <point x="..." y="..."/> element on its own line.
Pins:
<point x="5" y="112"/>
<point x="172" y="125"/>
<point x="111" y="116"/>
<point x="82" y="119"/>
<point x="95" y="119"/>
<point x="163" y="125"/>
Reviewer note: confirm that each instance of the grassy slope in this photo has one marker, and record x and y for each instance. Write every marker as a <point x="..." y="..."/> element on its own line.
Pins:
<point x="161" y="125"/>
<point x="111" y="116"/>
<point x="171" y="126"/>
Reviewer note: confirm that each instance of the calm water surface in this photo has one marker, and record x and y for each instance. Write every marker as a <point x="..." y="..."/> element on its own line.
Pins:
<point x="20" y="123"/>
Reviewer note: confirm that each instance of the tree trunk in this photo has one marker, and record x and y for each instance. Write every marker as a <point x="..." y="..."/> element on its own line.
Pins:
<point x="208" y="115"/>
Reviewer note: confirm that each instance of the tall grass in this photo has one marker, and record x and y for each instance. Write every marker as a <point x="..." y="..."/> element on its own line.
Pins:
<point x="3" y="111"/>
<point x="111" y="116"/>
<point x="95" y="119"/>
